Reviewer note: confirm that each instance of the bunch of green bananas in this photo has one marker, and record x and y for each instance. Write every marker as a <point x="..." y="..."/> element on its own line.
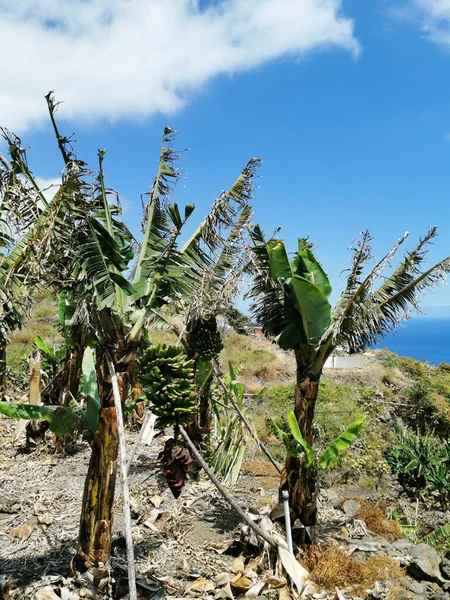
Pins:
<point x="168" y="378"/>
<point x="205" y="338"/>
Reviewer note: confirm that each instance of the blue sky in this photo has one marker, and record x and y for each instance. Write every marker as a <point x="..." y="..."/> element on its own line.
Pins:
<point x="347" y="103"/>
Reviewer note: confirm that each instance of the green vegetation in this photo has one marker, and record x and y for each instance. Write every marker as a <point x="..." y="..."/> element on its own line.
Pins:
<point x="97" y="327"/>
<point x="426" y="393"/>
<point x="237" y="320"/>
<point x="290" y="302"/>
<point x="421" y="464"/>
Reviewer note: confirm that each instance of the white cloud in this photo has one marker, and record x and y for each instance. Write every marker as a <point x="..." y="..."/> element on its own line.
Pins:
<point x="48" y="187"/>
<point x="432" y="17"/>
<point x="134" y="58"/>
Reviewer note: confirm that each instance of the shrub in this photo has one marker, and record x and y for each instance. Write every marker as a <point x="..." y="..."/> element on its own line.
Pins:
<point x="237" y="320"/>
<point x="421" y="463"/>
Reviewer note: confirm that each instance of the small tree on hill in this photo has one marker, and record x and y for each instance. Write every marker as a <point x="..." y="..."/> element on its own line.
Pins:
<point x="237" y="320"/>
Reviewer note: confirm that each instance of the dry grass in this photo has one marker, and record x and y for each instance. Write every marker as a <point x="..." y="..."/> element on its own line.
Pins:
<point x="260" y="468"/>
<point x="374" y="516"/>
<point x="377" y="523"/>
<point x="331" y="567"/>
<point x="260" y="363"/>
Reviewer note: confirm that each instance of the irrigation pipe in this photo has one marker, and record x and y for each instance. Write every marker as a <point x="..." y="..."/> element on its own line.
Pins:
<point x="265" y="536"/>
<point x="124" y="479"/>
<point x="287" y="519"/>
<point x="244" y="420"/>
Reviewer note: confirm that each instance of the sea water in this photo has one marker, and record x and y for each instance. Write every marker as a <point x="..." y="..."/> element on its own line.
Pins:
<point x="421" y="338"/>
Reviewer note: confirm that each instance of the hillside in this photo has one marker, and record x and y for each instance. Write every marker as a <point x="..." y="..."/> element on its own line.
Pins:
<point x="377" y="497"/>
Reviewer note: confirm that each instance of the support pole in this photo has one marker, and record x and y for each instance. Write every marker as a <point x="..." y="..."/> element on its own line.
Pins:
<point x="138" y="439"/>
<point x="266" y="537"/>
<point x="124" y="480"/>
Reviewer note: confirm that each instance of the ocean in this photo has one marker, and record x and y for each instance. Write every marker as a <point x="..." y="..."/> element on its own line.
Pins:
<point x="421" y="338"/>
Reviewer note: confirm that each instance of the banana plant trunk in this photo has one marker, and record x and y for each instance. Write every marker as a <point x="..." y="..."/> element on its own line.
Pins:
<point x="94" y="543"/>
<point x="71" y="374"/>
<point x="301" y="480"/>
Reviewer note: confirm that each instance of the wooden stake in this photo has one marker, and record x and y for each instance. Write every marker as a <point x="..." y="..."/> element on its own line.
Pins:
<point x="265" y="536"/>
<point x="124" y="480"/>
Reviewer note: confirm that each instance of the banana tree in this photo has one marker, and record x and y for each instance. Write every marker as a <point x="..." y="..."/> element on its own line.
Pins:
<point x="88" y="256"/>
<point x="19" y="208"/>
<point x="219" y="256"/>
<point x="290" y="301"/>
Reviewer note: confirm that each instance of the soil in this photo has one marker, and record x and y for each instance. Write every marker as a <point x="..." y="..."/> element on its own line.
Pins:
<point x="176" y="541"/>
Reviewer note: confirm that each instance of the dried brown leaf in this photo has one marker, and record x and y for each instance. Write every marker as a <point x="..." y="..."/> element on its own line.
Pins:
<point x="224" y="593"/>
<point x="241" y="585"/>
<point x="275" y="582"/>
<point x="224" y="578"/>
<point x="284" y="594"/>
<point x="200" y="585"/>
<point x="46" y="593"/>
<point x="253" y="592"/>
<point x="156" y="501"/>
<point x="23" y="532"/>
<point x="238" y="565"/>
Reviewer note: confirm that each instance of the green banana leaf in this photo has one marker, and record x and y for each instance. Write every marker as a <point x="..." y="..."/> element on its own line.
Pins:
<point x="313" y="306"/>
<point x="310" y="455"/>
<point x="330" y="457"/>
<point x="306" y="263"/>
<point x="278" y="260"/>
<point x="62" y="419"/>
<point x="66" y="310"/>
<point x="89" y="389"/>
<point x="39" y="342"/>
<point x="290" y="444"/>
<point x="203" y="371"/>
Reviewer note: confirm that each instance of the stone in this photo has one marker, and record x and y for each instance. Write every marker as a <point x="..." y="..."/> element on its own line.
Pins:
<point x="332" y="498"/>
<point x="351" y="507"/>
<point x="403" y="546"/>
<point x="416" y="587"/>
<point x="404" y="595"/>
<point x="45" y="519"/>
<point x="369" y="543"/>
<point x="362" y="546"/>
<point x="445" y="567"/>
<point x="425" y="562"/>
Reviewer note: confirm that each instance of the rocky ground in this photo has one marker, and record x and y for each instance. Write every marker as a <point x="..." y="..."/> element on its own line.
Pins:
<point x="196" y="546"/>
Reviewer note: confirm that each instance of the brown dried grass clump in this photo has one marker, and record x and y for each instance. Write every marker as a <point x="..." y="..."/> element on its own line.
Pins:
<point x="331" y="567"/>
<point x="374" y="516"/>
<point x="381" y="568"/>
<point x="376" y="521"/>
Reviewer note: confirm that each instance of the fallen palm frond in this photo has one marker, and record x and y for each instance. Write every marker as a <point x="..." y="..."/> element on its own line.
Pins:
<point x="231" y="421"/>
